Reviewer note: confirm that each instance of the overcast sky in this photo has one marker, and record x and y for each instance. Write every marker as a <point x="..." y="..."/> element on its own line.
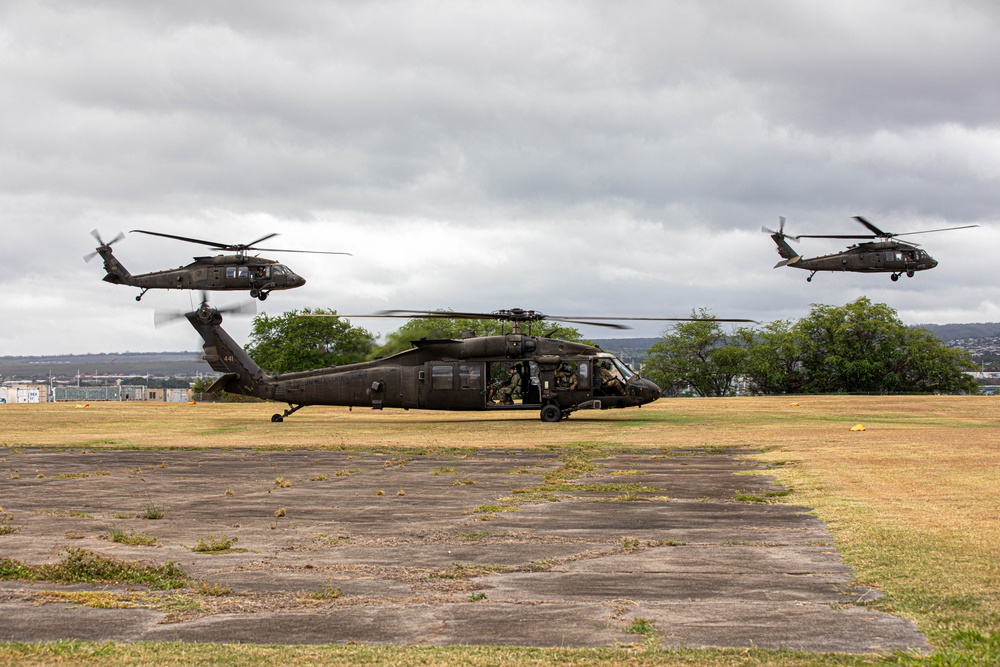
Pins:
<point x="577" y="158"/>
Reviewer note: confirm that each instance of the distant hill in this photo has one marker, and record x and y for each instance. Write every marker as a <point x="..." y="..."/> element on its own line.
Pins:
<point x="949" y="332"/>
<point x="629" y="350"/>
<point x="157" y="364"/>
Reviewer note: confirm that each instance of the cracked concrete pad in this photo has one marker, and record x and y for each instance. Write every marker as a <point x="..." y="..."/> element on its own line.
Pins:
<point x="470" y="548"/>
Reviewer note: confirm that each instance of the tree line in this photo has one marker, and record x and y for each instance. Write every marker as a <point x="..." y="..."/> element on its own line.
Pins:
<point x="861" y="347"/>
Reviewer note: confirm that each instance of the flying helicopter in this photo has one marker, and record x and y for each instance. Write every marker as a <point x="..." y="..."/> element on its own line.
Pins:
<point x="552" y="376"/>
<point x="883" y="255"/>
<point x="241" y="271"/>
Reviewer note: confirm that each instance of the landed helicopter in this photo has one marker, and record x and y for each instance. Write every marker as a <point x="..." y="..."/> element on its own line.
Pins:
<point x="222" y="272"/>
<point x="884" y="255"/>
<point x="554" y="377"/>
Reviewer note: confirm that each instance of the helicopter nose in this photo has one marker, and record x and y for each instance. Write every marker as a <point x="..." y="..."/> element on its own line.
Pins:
<point x="297" y="280"/>
<point x="648" y="390"/>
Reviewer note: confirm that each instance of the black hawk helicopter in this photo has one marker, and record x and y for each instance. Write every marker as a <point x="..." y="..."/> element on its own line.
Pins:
<point x="222" y="272"/>
<point x="884" y="255"/>
<point x="552" y="376"/>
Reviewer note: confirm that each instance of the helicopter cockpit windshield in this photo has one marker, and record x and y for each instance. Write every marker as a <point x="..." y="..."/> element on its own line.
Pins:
<point x="625" y="371"/>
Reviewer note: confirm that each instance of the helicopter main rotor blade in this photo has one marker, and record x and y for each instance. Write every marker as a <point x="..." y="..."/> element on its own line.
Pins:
<point x="429" y="314"/>
<point x="837" y="236"/>
<point x="412" y="315"/>
<point x="262" y="238"/>
<point x="928" y="231"/>
<point x="311" y="252"/>
<point x="875" y="230"/>
<point x="653" y="319"/>
<point x="529" y="316"/>
<point x="211" y="244"/>
<point x="237" y="247"/>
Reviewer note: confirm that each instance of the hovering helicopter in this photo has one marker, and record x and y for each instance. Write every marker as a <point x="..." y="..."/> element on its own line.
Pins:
<point x="552" y="376"/>
<point x="885" y="255"/>
<point x="222" y="272"/>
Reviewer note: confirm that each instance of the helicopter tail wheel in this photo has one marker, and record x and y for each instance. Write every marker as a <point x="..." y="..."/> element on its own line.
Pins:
<point x="277" y="418"/>
<point x="551" y="413"/>
<point x="894" y="277"/>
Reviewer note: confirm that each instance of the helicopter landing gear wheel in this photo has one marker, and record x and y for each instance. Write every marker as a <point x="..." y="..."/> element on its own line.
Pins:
<point x="263" y="296"/>
<point x="551" y="413"/>
<point x="254" y="293"/>
<point x="277" y="418"/>
<point x="909" y="274"/>
<point x="894" y="277"/>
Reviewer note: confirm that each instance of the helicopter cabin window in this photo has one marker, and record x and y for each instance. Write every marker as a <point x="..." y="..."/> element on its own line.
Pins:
<point x="442" y="377"/>
<point x="470" y="376"/>
<point x="568" y="375"/>
<point x="234" y="272"/>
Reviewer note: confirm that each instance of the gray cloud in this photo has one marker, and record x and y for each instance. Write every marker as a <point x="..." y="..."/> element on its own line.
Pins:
<point x="587" y="156"/>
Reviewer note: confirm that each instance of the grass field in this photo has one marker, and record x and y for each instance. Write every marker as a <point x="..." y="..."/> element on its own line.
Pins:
<point x="912" y="501"/>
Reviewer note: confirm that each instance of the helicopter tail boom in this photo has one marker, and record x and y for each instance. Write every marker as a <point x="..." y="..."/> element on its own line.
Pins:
<point x="785" y="250"/>
<point x="116" y="273"/>
<point x="240" y="374"/>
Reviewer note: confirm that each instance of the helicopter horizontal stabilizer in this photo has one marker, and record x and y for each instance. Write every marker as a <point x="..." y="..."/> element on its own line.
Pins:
<point x="788" y="262"/>
<point x="222" y="382"/>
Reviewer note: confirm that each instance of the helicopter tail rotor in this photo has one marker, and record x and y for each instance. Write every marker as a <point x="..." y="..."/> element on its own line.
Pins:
<point x="781" y="230"/>
<point x="204" y="311"/>
<point x="103" y="245"/>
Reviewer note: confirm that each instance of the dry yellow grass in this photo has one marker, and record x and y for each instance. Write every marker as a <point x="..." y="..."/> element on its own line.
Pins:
<point x="912" y="499"/>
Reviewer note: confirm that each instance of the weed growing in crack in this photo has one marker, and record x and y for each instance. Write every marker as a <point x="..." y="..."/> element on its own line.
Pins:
<point x="211" y="590"/>
<point x="640" y="626"/>
<point x="81" y="566"/>
<point x="130" y="538"/>
<point x="6" y="527"/>
<point x="151" y="510"/>
<point x="213" y="545"/>
<point x="325" y="591"/>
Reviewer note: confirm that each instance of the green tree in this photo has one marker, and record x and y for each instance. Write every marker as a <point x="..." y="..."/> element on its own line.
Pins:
<point x="773" y="363"/>
<point x="698" y="355"/>
<point x="865" y="347"/>
<point x="291" y="342"/>
<point x="934" y="367"/>
<point x="443" y="328"/>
